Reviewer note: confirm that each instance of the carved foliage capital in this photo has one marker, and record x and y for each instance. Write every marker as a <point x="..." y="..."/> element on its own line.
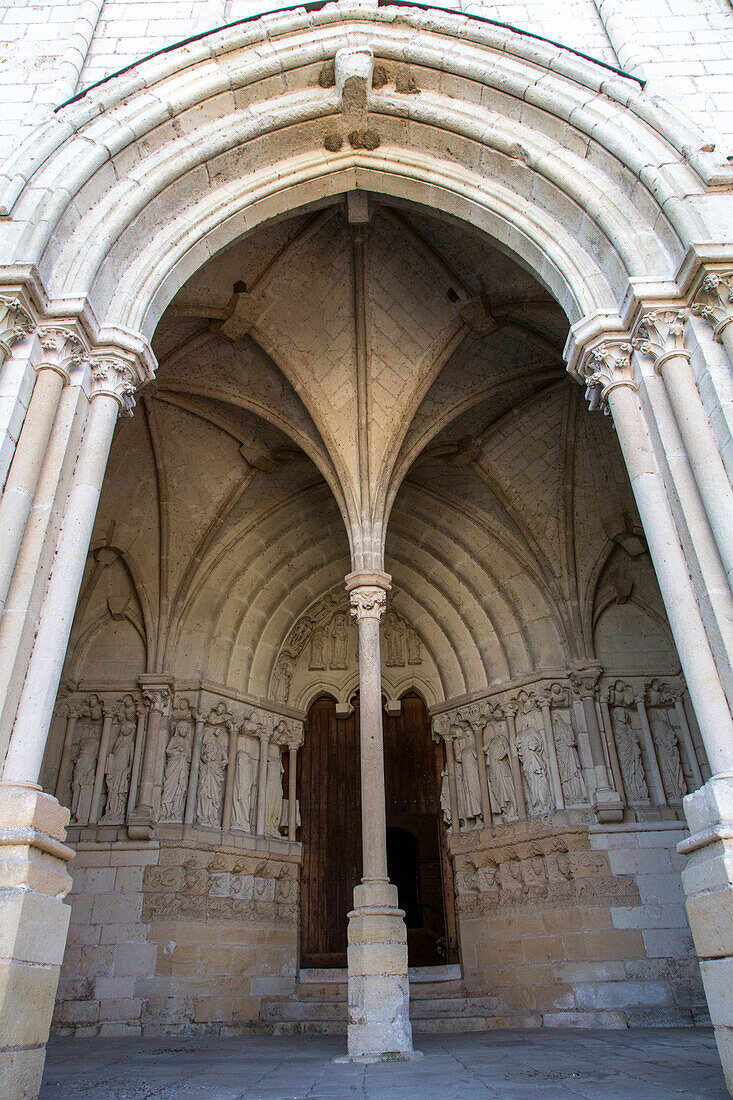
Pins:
<point x="61" y="350"/>
<point x="113" y="376"/>
<point x="157" y="698"/>
<point x="584" y="680"/>
<point x="606" y="365"/>
<point x="714" y="300"/>
<point x="660" y="334"/>
<point x="368" y="602"/>
<point x="15" y="321"/>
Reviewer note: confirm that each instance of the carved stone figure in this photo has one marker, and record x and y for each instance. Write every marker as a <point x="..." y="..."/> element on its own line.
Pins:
<point x="668" y="754"/>
<point x="212" y="774"/>
<point x="318" y="649"/>
<point x="629" y="756"/>
<point x="414" y="653"/>
<point x="117" y="773"/>
<point x="531" y="750"/>
<point x="175" y="779"/>
<point x="339" y="641"/>
<point x="394" y="640"/>
<point x="445" y="797"/>
<point x="469" y="787"/>
<point x="568" y="761"/>
<point x="82" y="779"/>
<point x="274" y="792"/>
<point x="281" y="680"/>
<point x="501" y="781"/>
<point x="245" y="791"/>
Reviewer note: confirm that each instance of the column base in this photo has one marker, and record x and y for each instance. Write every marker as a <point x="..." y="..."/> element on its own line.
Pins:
<point x="708" y="884"/>
<point x="607" y="806"/>
<point x="141" y="823"/>
<point x="33" y="926"/>
<point x="379" y="990"/>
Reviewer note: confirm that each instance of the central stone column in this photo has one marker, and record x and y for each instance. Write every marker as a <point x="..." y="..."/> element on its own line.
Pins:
<point x="379" y="993"/>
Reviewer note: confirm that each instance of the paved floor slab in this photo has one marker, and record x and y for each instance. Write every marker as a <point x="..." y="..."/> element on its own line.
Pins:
<point x="643" y="1064"/>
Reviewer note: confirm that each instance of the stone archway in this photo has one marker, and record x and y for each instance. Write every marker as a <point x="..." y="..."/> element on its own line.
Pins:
<point x="248" y="125"/>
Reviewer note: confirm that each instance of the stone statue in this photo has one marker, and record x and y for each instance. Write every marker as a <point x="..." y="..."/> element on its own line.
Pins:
<point x="245" y="791"/>
<point x="281" y="680"/>
<point x="212" y="775"/>
<point x="117" y="773"/>
<point x="531" y="750"/>
<point x="339" y="641"/>
<point x="175" y="779"/>
<point x="274" y="791"/>
<point x="629" y="756"/>
<point x="414" y="654"/>
<point x="394" y="640"/>
<point x="568" y="761"/>
<point x="501" y="780"/>
<point x="82" y="779"/>
<point x="469" y="788"/>
<point x="668" y="754"/>
<point x="318" y="649"/>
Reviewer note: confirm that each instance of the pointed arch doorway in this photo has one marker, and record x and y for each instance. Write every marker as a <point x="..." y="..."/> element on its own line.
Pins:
<point x="330" y="801"/>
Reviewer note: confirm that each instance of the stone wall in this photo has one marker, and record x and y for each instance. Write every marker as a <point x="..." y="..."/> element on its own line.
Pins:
<point x="177" y="937"/>
<point x="569" y="926"/>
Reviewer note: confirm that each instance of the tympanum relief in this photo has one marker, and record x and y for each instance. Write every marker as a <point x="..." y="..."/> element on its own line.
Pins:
<point x="322" y="649"/>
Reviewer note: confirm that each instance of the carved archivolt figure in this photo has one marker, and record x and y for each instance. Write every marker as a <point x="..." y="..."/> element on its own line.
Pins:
<point x="318" y="648"/>
<point x="469" y="787"/>
<point x="501" y="781"/>
<point x="212" y="774"/>
<point x="281" y="680"/>
<point x="82" y="779"/>
<point x="117" y="773"/>
<point x="339" y="641"/>
<point x="175" y="779"/>
<point x="245" y="791"/>
<point x="668" y="754"/>
<point x="394" y="640"/>
<point x="568" y="761"/>
<point x="531" y="749"/>
<point x="629" y="756"/>
<point x="274" y="792"/>
<point x="414" y="654"/>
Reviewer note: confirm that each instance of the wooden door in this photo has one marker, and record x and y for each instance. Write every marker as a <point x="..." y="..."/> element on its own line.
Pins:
<point x="330" y="810"/>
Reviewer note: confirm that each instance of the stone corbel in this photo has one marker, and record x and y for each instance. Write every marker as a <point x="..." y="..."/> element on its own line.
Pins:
<point x="352" y="75"/>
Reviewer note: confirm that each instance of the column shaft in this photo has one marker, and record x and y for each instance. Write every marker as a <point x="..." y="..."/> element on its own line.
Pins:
<point x="511" y="729"/>
<point x="27" y="744"/>
<point x="707" y="465"/>
<point x="150" y="757"/>
<point x="193" y="775"/>
<point x="552" y="758"/>
<point x="262" y="784"/>
<point x="226" y="819"/>
<point x="688" y="742"/>
<point x="482" y="776"/>
<point x="450" y="763"/>
<point x="96" y="804"/>
<point x="20" y="486"/>
<point x="660" y="796"/>
<point x="136" y="759"/>
<point x="292" y="792"/>
<point x="674" y="581"/>
<point x="373" y="814"/>
<point x="65" y="765"/>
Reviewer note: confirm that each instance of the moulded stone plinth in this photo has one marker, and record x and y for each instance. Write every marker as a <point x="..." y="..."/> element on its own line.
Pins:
<point x="33" y="926"/>
<point x="379" y="989"/>
<point x="708" y="883"/>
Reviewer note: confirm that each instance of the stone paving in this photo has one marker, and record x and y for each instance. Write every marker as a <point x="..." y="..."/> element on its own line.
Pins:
<point x="644" y="1064"/>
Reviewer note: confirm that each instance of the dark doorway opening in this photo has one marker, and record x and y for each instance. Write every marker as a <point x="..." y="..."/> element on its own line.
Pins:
<point x="330" y="803"/>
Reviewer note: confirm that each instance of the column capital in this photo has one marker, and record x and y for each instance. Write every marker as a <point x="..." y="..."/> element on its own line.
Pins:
<point x="660" y="334"/>
<point x="713" y="300"/>
<point x="114" y="375"/>
<point x="368" y="602"/>
<point x="16" y="321"/>
<point x="606" y="366"/>
<point x="63" y="350"/>
<point x="156" y="694"/>
<point x="584" y="678"/>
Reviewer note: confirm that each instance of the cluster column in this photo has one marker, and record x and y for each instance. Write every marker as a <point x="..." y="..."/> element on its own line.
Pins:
<point x="379" y="995"/>
<point x="33" y="857"/>
<point x="708" y="877"/>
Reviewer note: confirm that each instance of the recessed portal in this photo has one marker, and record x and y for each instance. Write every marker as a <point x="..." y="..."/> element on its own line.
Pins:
<point x="330" y="800"/>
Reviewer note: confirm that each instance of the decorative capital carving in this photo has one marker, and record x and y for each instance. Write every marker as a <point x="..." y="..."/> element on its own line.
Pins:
<point x="606" y="366"/>
<point x="157" y="698"/>
<point x="114" y="377"/>
<point x="584" y="680"/>
<point x="714" y="300"/>
<point x="660" y="334"/>
<point x="63" y="350"/>
<point x="368" y="602"/>
<point x="15" y="322"/>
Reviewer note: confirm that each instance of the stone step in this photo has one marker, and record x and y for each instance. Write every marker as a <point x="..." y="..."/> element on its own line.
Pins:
<point x="312" y="1011"/>
<point x="425" y="990"/>
<point x="451" y="1007"/>
<point x="437" y="1008"/>
<point x="317" y="991"/>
